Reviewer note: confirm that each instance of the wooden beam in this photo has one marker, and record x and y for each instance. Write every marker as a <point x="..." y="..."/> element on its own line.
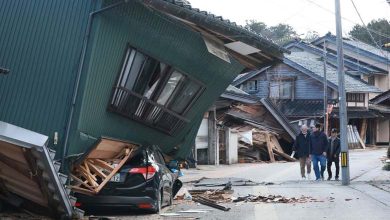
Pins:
<point x="117" y="168"/>
<point x="81" y="182"/>
<point x="87" y="176"/>
<point x="363" y="129"/>
<point x="96" y="170"/>
<point x="276" y="144"/>
<point x="269" y="147"/>
<point x="284" y="155"/>
<point x="16" y="165"/>
<point x="103" y="164"/>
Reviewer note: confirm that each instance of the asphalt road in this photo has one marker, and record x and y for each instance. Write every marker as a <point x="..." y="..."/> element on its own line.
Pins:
<point x="368" y="196"/>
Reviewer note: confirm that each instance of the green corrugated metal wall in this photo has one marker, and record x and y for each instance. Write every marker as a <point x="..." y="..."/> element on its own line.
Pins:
<point x="40" y="42"/>
<point x="168" y="41"/>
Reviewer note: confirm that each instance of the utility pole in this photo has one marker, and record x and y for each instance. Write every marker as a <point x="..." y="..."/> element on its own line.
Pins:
<point x="342" y="99"/>
<point x="325" y="91"/>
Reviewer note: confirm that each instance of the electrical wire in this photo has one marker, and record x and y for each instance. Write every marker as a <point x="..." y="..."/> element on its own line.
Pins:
<point x="346" y="19"/>
<point x="365" y="26"/>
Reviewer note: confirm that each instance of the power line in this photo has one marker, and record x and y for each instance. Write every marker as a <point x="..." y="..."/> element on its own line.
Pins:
<point x="346" y="19"/>
<point x="365" y="26"/>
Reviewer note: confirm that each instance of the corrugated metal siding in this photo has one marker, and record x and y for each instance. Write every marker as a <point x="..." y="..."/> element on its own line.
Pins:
<point x="305" y="86"/>
<point x="40" y="42"/>
<point x="157" y="36"/>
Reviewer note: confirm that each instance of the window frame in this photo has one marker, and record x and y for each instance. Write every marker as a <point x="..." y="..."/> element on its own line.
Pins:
<point x="169" y="69"/>
<point x="280" y="82"/>
<point x="356" y="97"/>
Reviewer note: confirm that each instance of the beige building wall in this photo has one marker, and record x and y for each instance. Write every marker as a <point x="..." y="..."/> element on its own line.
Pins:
<point x="382" y="134"/>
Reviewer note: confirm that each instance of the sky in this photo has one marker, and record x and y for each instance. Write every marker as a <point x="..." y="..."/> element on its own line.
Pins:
<point x="303" y="15"/>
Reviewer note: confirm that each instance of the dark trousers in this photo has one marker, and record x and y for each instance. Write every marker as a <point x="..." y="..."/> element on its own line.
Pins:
<point x="336" y="161"/>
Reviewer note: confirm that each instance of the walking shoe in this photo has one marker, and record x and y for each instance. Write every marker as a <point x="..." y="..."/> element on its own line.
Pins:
<point x="337" y="179"/>
<point x="303" y="178"/>
<point x="319" y="179"/>
<point x="308" y="176"/>
<point x="329" y="178"/>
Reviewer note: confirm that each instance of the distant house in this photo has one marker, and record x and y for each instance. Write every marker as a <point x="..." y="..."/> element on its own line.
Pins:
<point x="374" y="68"/>
<point x="295" y="87"/>
<point x="140" y="71"/>
<point x="372" y="63"/>
<point x="381" y="103"/>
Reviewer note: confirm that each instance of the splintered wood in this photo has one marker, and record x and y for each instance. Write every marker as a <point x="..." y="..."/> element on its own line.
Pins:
<point x="100" y="165"/>
<point x="266" y="147"/>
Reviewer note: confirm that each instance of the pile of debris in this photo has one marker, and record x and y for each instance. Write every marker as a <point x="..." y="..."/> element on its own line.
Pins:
<point x="261" y="136"/>
<point x="95" y="168"/>
<point x="275" y="199"/>
<point x="265" y="147"/>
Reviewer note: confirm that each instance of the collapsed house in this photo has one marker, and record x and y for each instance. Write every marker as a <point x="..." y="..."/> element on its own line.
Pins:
<point x="295" y="87"/>
<point x="140" y="71"/>
<point x="241" y="128"/>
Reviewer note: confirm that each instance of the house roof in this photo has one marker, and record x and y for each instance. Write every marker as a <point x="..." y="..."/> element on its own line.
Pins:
<point x="226" y="31"/>
<point x="381" y="98"/>
<point x="311" y="65"/>
<point x="357" y="112"/>
<point x="236" y="94"/>
<point x="332" y="58"/>
<point x="247" y="76"/>
<point x="358" y="46"/>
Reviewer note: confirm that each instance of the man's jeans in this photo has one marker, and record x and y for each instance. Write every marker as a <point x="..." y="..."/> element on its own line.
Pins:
<point x="322" y="160"/>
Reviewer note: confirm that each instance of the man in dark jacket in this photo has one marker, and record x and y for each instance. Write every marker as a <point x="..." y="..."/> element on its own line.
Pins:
<point x="319" y="147"/>
<point x="302" y="150"/>
<point x="333" y="154"/>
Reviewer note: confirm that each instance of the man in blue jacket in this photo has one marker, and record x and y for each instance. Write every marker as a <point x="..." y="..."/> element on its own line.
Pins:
<point x="319" y="147"/>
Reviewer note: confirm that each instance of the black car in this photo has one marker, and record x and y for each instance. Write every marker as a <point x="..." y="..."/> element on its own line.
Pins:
<point x="144" y="182"/>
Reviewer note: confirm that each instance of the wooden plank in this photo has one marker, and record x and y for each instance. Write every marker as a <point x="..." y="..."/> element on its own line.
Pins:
<point x="363" y="129"/>
<point x="81" y="182"/>
<point x="284" y="155"/>
<point x="269" y="147"/>
<point x="89" y="171"/>
<point x="358" y="138"/>
<point x="103" y="164"/>
<point x="117" y="168"/>
<point x="87" y="176"/>
<point x="276" y="144"/>
<point x="20" y="167"/>
<point x="96" y="170"/>
<point x="12" y="151"/>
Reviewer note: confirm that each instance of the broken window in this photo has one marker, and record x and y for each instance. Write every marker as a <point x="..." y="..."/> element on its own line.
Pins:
<point x="153" y="92"/>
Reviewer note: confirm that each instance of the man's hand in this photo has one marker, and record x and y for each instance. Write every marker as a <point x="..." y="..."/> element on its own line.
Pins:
<point x="324" y="154"/>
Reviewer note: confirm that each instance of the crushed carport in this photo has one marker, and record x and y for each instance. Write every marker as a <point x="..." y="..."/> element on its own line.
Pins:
<point x="29" y="178"/>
